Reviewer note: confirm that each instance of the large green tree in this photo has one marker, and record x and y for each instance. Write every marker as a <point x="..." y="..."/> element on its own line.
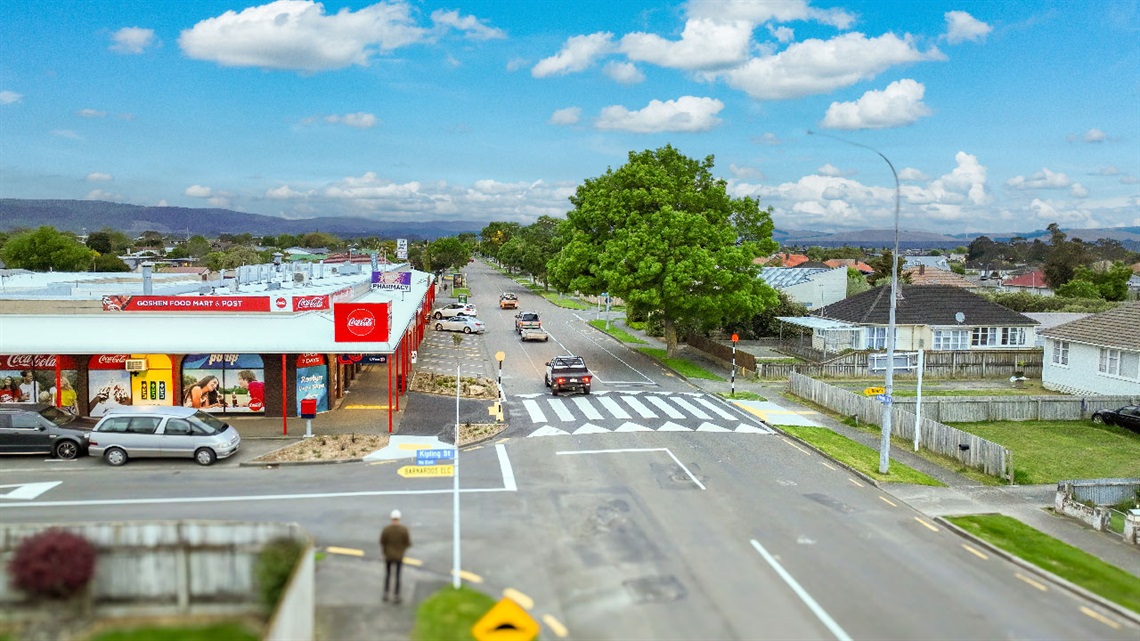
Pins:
<point x="663" y="234"/>
<point x="45" y="249"/>
<point x="495" y="235"/>
<point x="445" y="253"/>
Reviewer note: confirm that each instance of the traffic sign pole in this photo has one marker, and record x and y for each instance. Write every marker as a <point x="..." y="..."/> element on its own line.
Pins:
<point x="735" y="338"/>
<point x="456" y="581"/>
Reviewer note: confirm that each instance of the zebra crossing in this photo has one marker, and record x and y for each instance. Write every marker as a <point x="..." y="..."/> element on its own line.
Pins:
<point x="629" y="411"/>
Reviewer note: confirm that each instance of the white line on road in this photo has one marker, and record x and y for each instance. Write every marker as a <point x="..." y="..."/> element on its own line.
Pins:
<point x="505" y="467"/>
<point x="559" y="408"/>
<point x="631" y="450"/>
<point x="693" y="409"/>
<point x="712" y="406"/>
<point x="613" y="407"/>
<point x="644" y="411"/>
<point x="816" y="609"/>
<point x="664" y="406"/>
<point x="586" y="408"/>
<point x="532" y="408"/>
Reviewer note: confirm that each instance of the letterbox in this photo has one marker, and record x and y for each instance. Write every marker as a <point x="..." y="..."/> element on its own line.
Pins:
<point x="308" y="408"/>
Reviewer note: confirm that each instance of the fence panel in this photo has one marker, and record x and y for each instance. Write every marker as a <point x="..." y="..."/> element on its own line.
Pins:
<point x="1102" y="491"/>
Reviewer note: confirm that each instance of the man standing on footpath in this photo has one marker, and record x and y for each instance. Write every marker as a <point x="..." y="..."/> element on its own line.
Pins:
<point x="394" y="541"/>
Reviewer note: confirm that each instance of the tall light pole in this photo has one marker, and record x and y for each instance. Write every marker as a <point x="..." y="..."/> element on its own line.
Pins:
<point x="889" y="382"/>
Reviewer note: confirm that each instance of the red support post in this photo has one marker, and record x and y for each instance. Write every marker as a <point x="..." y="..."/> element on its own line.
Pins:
<point x="389" y="394"/>
<point x="284" y="400"/>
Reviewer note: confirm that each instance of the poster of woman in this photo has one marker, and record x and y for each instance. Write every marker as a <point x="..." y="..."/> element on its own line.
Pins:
<point x="203" y="393"/>
<point x="236" y="382"/>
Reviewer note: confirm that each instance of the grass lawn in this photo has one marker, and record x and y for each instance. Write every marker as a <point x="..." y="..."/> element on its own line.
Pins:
<point x="562" y="301"/>
<point x="1051" y="451"/>
<point x="616" y="332"/>
<point x="742" y="396"/>
<point x="449" y="614"/>
<point x="216" y="632"/>
<point x="687" y="369"/>
<point x="858" y="456"/>
<point x="1062" y="559"/>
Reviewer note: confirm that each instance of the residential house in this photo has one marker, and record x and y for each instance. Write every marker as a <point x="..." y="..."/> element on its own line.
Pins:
<point x="1032" y="282"/>
<point x="812" y="287"/>
<point x="933" y="317"/>
<point x="859" y="265"/>
<point x="783" y="260"/>
<point x="923" y="275"/>
<point x="1047" y="320"/>
<point x="935" y="262"/>
<point x="1099" y="354"/>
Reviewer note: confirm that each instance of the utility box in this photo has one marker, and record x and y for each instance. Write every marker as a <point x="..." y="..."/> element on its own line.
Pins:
<point x="308" y="408"/>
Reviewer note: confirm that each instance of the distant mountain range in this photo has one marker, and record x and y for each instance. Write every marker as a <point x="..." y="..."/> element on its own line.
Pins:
<point x="93" y="215"/>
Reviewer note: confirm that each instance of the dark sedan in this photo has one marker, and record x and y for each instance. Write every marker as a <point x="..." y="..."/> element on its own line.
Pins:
<point x="37" y="428"/>
<point x="1127" y="417"/>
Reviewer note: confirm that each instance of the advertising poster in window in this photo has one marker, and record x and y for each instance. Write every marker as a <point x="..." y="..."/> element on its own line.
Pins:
<point x="155" y="384"/>
<point x="109" y="383"/>
<point x="312" y="380"/>
<point x="27" y="378"/>
<point x="224" y="382"/>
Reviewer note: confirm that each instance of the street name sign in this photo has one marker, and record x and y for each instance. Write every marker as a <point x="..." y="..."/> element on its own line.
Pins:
<point x="420" y="471"/>
<point x="431" y="457"/>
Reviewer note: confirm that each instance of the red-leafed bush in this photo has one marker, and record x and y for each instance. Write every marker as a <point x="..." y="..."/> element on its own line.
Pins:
<point x="55" y="564"/>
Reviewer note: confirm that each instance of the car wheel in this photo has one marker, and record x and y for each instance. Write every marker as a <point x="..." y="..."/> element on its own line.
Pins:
<point x="115" y="456"/>
<point x="466" y="330"/>
<point x="66" y="450"/>
<point x="438" y="315"/>
<point x="439" y="327"/>
<point x="587" y="390"/>
<point x="546" y="381"/>
<point x="1098" y="419"/>
<point x="554" y="391"/>
<point x="205" y="456"/>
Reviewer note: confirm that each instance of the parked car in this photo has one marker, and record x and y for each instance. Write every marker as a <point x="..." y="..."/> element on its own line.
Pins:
<point x="1127" y="417"/>
<point x="39" y="428"/>
<point x="461" y="323"/>
<point x="138" y="431"/>
<point x="447" y="311"/>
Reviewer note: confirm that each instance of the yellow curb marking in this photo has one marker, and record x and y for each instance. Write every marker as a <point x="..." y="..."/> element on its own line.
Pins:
<point x="345" y="551"/>
<point x="468" y="576"/>
<point x="414" y="446"/>
<point x="975" y="552"/>
<point x="790" y="442"/>
<point x="364" y="407"/>
<point x="503" y="440"/>
<point x="472" y="449"/>
<point x="1036" y="584"/>
<point x="518" y="597"/>
<point x="555" y="626"/>
<point x="383" y="462"/>
<point x="887" y="501"/>
<point x="1100" y="617"/>
<point x="830" y="467"/>
<point x="855" y="482"/>
<point x="926" y="525"/>
<point x="410" y="561"/>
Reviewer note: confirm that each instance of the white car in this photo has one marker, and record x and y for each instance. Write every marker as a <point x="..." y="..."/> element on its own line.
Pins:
<point x="461" y="323"/>
<point x="136" y="431"/>
<point x="455" y="308"/>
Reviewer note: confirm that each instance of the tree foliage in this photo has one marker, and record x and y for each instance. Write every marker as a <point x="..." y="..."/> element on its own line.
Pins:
<point x="1026" y="302"/>
<point x="45" y="249"/>
<point x="882" y="266"/>
<point x="444" y="253"/>
<point x="495" y="235"/>
<point x="663" y="234"/>
<point x="235" y="256"/>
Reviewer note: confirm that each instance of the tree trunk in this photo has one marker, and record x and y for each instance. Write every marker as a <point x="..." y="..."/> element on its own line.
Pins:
<point x="670" y="338"/>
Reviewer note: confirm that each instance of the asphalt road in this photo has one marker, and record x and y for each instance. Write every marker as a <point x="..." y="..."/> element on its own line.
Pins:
<point x="652" y="533"/>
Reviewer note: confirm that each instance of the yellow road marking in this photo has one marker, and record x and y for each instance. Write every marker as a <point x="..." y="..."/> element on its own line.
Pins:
<point x="1036" y="584"/>
<point x="926" y="525"/>
<point x="975" y="552"/>
<point x="830" y="467"/>
<point x="414" y="446"/>
<point x="472" y="449"/>
<point x="519" y="598"/>
<point x="855" y="482"/>
<point x="383" y="462"/>
<point x="364" y="407"/>
<point x="345" y="551"/>
<point x="555" y="626"/>
<point x="792" y="443"/>
<point x="503" y="440"/>
<point x="887" y="501"/>
<point x="1100" y="617"/>
<point x="468" y="576"/>
<point x="410" y="561"/>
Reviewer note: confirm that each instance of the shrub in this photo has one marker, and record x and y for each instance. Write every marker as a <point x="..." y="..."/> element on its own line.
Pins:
<point x="53" y="564"/>
<point x="275" y="564"/>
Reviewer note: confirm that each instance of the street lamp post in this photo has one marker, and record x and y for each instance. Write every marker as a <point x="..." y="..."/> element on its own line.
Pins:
<point x="889" y="382"/>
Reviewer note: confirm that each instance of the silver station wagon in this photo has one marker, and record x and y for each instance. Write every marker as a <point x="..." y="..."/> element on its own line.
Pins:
<point x="166" y="432"/>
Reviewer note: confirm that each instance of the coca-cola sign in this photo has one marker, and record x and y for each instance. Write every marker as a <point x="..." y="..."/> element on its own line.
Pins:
<point x="361" y="322"/>
<point x="35" y="361"/>
<point x="108" y="361"/>
<point x="310" y="303"/>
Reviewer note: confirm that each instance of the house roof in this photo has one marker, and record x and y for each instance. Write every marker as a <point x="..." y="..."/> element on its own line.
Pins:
<point x="937" y="262"/>
<point x="850" y="262"/>
<point x="783" y="260"/>
<point x="1117" y="328"/>
<point x="784" y="277"/>
<point x="922" y="305"/>
<point x="184" y="269"/>
<point x="1030" y="279"/>
<point x="933" y="276"/>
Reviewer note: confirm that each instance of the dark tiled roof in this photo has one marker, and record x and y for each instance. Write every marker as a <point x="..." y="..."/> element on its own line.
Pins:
<point x="922" y="305"/>
<point x="1117" y="328"/>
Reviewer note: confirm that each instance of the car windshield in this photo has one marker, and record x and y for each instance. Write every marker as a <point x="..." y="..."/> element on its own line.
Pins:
<point x="211" y="424"/>
<point x="59" y="417"/>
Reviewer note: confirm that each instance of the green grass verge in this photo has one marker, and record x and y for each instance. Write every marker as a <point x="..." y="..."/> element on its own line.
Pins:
<point x="742" y="396"/>
<point x="1046" y="552"/>
<point x="216" y="632"/>
<point x="562" y="301"/>
<point x="616" y="332"/>
<point x="687" y="369"/>
<point x="858" y="456"/>
<point x="449" y="614"/>
<point x="1051" y="451"/>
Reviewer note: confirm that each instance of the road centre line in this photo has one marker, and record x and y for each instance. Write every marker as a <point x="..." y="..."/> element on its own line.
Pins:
<point x="332" y="549"/>
<point x="828" y="465"/>
<point x="590" y="338"/>
<point x="976" y="552"/>
<point x="1034" y="583"/>
<point x="1100" y="617"/>
<point x="793" y="444"/>
<point x="855" y="482"/>
<point x="888" y="501"/>
<point x="518" y="597"/>
<point x="811" y="603"/>
<point x="926" y="525"/>
<point x="631" y="450"/>
<point x="555" y="626"/>
<point x="468" y="576"/>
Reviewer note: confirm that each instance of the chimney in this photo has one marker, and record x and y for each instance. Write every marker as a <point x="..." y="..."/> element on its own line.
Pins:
<point x="148" y="282"/>
<point x="922" y="270"/>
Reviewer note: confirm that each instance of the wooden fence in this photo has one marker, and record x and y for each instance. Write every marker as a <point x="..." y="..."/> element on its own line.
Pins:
<point x="972" y="451"/>
<point x="978" y="409"/>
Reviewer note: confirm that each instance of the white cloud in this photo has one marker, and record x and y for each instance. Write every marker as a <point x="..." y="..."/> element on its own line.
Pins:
<point x="198" y="191"/>
<point x="132" y="40"/>
<point x="1093" y="135"/>
<point x="218" y="201"/>
<point x="284" y="192"/>
<point x="782" y="34"/>
<point x="10" y="97"/>
<point x="768" y="138"/>
<point x="626" y="73"/>
<point x="829" y="170"/>
<point x="1079" y="191"/>
<point x="1129" y="180"/>
<point x="567" y="116"/>
<point x="762" y="11"/>
<point x="514" y="64"/>
<point x="961" y="26"/>
<point x="299" y="35"/>
<point x="704" y="44"/>
<point x="67" y="133"/>
<point x="1106" y="171"/>
<point x="577" y="54"/>
<point x="898" y="105"/>
<point x="95" y="177"/>
<point x="1044" y="179"/>
<point x="90" y="113"/>
<point x="687" y="113"/>
<point x="745" y="173"/>
<point x="820" y="66"/>
<point x="910" y="173"/>
<point x="359" y="120"/>
<point x="99" y="194"/>
<point x="469" y="25"/>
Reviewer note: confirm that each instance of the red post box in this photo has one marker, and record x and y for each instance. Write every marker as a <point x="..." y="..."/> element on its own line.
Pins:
<point x="308" y="408"/>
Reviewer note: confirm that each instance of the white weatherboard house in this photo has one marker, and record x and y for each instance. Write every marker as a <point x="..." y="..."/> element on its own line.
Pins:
<point x="1098" y="354"/>
<point x="812" y="287"/>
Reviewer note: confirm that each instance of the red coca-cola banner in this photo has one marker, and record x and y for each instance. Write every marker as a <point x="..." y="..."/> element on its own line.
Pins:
<point x="35" y="361"/>
<point x="310" y="360"/>
<point x="186" y="303"/>
<point x="310" y="303"/>
<point x="108" y="361"/>
<point x="361" y="322"/>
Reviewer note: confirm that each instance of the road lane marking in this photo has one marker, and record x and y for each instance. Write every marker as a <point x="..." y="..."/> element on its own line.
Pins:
<point x="692" y="409"/>
<point x="518" y="597"/>
<point x="632" y="450"/>
<point x="410" y="561"/>
<point x="505" y="468"/>
<point x="472" y="449"/>
<point x="664" y="406"/>
<point x="811" y="603"/>
<point x="332" y="549"/>
<point x="555" y="626"/>
<point x="1100" y="617"/>
<point x="975" y="552"/>
<point x="391" y="460"/>
<point x="587" y="408"/>
<point x="827" y="465"/>
<point x="926" y="525"/>
<point x="855" y="482"/>
<point x="887" y="501"/>
<point x="1037" y="584"/>
<point x="364" y="407"/>
<point x="468" y="576"/>
<point x="532" y="408"/>
<point x="793" y="444"/>
<point x="716" y="408"/>
<point x="638" y="407"/>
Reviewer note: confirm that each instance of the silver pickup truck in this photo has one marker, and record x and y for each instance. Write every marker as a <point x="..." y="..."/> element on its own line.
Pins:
<point x="568" y="374"/>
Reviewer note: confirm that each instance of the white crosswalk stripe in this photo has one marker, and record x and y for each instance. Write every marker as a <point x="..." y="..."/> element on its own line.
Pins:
<point x="664" y="406"/>
<point x="614" y="409"/>
<point x="535" y="412"/>
<point x="644" y="411"/>
<point x="716" y="408"/>
<point x="559" y="408"/>
<point x="587" y="408"/>
<point x="690" y="408"/>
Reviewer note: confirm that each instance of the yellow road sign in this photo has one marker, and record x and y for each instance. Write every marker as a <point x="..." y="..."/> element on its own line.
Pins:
<point x="413" y="471"/>
<point x="507" y="621"/>
<point x="872" y="391"/>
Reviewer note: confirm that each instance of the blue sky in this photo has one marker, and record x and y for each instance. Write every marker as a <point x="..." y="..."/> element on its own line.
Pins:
<point x="998" y="116"/>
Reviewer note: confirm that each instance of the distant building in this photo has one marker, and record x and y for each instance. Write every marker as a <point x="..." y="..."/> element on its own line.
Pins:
<point x="859" y="265"/>
<point x="783" y="260"/>
<point x="922" y="275"/>
<point x="1032" y="282"/>
<point x="936" y="262"/>
<point x="812" y="287"/>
